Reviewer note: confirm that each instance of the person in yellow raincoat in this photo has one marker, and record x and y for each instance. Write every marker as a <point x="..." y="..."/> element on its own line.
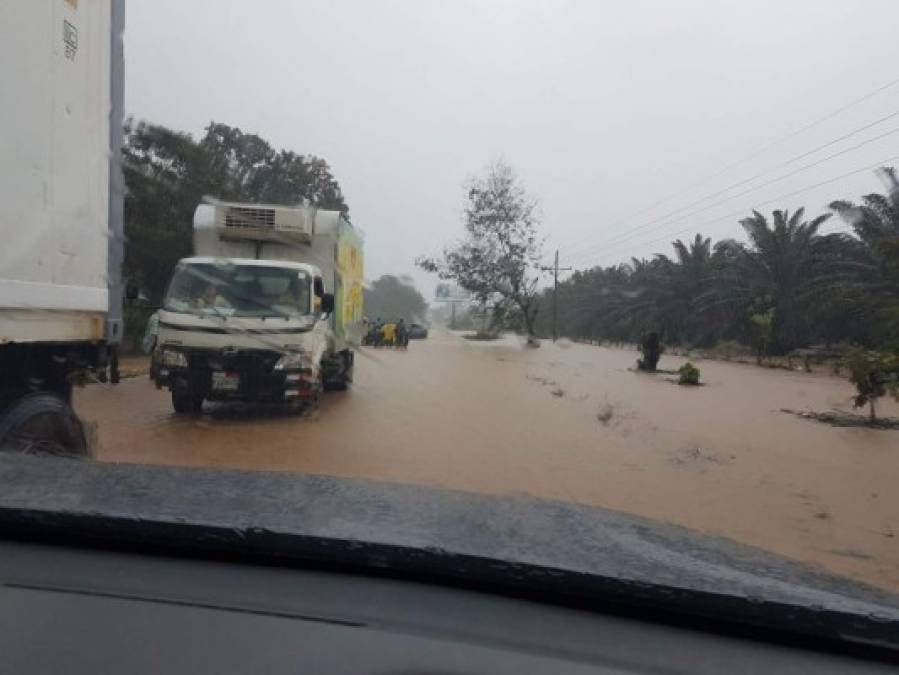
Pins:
<point x="388" y="334"/>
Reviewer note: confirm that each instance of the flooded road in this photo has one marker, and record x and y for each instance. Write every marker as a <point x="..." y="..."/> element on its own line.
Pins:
<point x="568" y="422"/>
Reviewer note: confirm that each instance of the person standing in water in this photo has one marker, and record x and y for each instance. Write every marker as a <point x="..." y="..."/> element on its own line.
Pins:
<point x="402" y="334"/>
<point x="388" y="331"/>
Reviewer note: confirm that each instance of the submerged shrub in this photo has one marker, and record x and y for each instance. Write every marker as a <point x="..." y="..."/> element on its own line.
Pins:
<point x="688" y="374"/>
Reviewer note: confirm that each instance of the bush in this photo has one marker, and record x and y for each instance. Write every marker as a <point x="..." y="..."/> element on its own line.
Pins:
<point x="874" y="374"/>
<point x="688" y="374"/>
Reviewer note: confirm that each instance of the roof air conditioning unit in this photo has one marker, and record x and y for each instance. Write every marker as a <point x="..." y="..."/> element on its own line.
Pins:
<point x="262" y="222"/>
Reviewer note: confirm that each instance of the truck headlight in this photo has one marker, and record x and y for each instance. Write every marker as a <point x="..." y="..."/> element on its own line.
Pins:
<point x="172" y="358"/>
<point x="293" y="361"/>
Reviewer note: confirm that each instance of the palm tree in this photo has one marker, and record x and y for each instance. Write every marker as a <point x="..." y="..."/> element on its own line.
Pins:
<point x="647" y="299"/>
<point x="876" y="223"/>
<point x="695" y="257"/>
<point x="786" y="265"/>
<point x="658" y="294"/>
<point x="690" y="276"/>
<point x="877" y="219"/>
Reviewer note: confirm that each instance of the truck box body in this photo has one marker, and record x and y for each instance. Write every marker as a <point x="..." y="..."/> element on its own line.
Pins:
<point x="56" y="65"/>
<point x="348" y="285"/>
<point x="61" y="238"/>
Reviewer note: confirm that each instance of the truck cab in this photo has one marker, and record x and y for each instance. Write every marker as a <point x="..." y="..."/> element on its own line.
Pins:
<point x="242" y="329"/>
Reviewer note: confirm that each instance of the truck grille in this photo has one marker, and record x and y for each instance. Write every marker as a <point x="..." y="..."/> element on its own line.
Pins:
<point x="246" y="217"/>
<point x="257" y="379"/>
<point x="245" y="361"/>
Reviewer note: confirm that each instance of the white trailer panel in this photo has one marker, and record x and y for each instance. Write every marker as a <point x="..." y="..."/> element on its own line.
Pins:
<point x="54" y="159"/>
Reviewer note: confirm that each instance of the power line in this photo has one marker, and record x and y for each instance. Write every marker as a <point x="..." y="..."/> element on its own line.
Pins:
<point x="628" y="236"/>
<point x="617" y="240"/>
<point x="778" y="198"/>
<point x="763" y="173"/>
<point x="753" y="154"/>
<point x="761" y="150"/>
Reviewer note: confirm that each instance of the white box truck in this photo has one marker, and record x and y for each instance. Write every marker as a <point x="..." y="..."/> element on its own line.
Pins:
<point x="270" y="309"/>
<point x="61" y="64"/>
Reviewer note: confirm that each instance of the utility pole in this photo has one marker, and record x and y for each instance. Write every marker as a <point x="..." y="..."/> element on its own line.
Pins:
<point x="555" y="270"/>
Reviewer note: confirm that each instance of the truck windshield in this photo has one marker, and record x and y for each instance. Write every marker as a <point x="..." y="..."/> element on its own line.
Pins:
<point x="238" y="290"/>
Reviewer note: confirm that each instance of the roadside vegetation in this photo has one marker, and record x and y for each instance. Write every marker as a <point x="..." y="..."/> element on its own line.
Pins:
<point x="874" y="375"/>
<point x="392" y="297"/>
<point x="688" y="374"/>
<point x="785" y="288"/>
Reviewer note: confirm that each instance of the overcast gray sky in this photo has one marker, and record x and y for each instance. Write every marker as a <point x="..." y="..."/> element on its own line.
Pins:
<point x="618" y="116"/>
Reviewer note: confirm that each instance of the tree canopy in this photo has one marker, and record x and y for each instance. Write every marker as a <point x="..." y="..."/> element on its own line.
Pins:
<point x="787" y="286"/>
<point x="391" y="297"/>
<point x="168" y="173"/>
<point x="498" y="260"/>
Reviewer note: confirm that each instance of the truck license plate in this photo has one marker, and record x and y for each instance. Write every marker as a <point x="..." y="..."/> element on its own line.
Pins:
<point x="225" y="381"/>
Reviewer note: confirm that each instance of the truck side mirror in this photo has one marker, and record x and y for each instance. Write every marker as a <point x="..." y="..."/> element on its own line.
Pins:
<point x="328" y="303"/>
<point x="132" y="292"/>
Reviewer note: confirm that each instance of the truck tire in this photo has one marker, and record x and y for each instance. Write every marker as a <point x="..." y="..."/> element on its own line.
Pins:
<point x="186" y="403"/>
<point x="342" y="380"/>
<point x="350" y="357"/>
<point x="41" y="422"/>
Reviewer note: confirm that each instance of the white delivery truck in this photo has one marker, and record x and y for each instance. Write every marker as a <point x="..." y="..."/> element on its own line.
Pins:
<point x="269" y="310"/>
<point x="61" y="64"/>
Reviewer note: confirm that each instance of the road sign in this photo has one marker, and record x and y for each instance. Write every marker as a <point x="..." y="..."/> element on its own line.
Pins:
<point x="451" y="293"/>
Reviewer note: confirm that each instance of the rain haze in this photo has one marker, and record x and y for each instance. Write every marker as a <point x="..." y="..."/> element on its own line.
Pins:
<point x="628" y="121"/>
<point x="509" y="314"/>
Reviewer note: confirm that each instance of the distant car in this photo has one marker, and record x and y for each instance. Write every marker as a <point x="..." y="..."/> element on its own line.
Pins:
<point x="417" y="331"/>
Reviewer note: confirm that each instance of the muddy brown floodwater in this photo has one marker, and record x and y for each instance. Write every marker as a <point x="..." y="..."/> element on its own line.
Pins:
<point x="568" y="422"/>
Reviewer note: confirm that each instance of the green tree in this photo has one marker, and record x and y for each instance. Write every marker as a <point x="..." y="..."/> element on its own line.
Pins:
<point x="670" y="289"/>
<point x="168" y="173"/>
<point x="166" y="176"/>
<point x="876" y="224"/>
<point x="498" y="261"/>
<point x="392" y="297"/>
<point x="874" y="375"/>
<point x="785" y="267"/>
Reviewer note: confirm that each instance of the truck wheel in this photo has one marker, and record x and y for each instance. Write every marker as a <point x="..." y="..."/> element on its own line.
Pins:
<point x="350" y="360"/>
<point x="42" y="423"/>
<point x="186" y="403"/>
<point x="341" y="381"/>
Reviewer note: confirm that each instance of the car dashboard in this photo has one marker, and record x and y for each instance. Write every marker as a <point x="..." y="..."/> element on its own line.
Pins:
<point x="80" y="610"/>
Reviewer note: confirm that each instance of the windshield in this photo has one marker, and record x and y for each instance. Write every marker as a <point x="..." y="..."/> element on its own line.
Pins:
<point x="238" y="290"/>
<point x="635" y="261"/>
